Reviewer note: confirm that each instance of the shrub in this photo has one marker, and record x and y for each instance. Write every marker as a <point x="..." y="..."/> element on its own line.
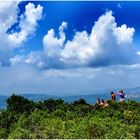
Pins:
<point x="95" y="131"/>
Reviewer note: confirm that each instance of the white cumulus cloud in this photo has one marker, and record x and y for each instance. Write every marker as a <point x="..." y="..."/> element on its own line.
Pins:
<point x="8" y="16"/>
<point x="124" y="34"/>
<point x="106" y="44"/>
<point x="52" y="44"/>
<point x="28" y="23"/>
<point x="10" y="38"/>
<point x="34" y="58"/>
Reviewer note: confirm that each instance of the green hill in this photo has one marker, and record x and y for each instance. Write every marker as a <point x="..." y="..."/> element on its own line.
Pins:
<point x="55" y="119"/>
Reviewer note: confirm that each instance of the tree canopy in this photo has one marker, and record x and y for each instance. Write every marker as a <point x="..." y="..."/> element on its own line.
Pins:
<point x="55" y="119"/>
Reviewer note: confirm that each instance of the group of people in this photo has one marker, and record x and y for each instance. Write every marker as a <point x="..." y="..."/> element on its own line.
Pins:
<point x="121" y="94"/>
<point x="102" y="103"/>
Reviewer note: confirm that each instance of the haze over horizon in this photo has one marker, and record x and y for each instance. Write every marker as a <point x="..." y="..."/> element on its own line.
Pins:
<point x="64" y="46"/>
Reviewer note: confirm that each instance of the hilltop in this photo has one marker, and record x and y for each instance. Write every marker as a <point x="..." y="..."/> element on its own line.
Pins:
<point x="54" y="119"/>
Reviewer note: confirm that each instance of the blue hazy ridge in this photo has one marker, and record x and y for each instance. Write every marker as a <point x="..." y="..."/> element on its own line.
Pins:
<point x="133" y="94"/>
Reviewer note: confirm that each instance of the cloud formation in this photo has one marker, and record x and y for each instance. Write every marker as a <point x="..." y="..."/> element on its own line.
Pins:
<point x="8" y="16"/>
<point x="52" y="44"/>
<point x="25" y="26"/>
<point x="100" y="59"/>
<point x="24" y="78"/>
<point x="107" y="44"/>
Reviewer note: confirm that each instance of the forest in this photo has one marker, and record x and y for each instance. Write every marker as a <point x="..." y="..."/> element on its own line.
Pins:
<point x="56" y="119"/>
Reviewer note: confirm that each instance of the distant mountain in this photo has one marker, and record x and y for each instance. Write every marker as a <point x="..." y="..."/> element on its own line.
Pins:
<point x="131" y="93"/>
<point x="133" y="90"/>
<point x="89" y="98"/>
<point x="3" y="101"/>
<point x="38" y="97"/>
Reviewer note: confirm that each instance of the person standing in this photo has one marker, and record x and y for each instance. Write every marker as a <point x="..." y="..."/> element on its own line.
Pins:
<point x="113" y="96"/>
<point x="122" y="95"/>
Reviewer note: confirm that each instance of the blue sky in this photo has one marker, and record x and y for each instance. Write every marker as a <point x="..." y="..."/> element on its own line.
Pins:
<point x="69" y="47"/>
<point x="81" y="16"/>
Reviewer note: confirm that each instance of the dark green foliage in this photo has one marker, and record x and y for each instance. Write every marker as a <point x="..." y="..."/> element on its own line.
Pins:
<point x="49" y="104"/>
<point x="137" y="132"/>
<point x="80" y="102"/>
<point x="19" y="104"/>
<point x="54" y="119"/>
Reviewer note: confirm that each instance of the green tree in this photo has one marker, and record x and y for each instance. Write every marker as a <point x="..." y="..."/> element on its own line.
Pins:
<point x="19" y="104"/>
